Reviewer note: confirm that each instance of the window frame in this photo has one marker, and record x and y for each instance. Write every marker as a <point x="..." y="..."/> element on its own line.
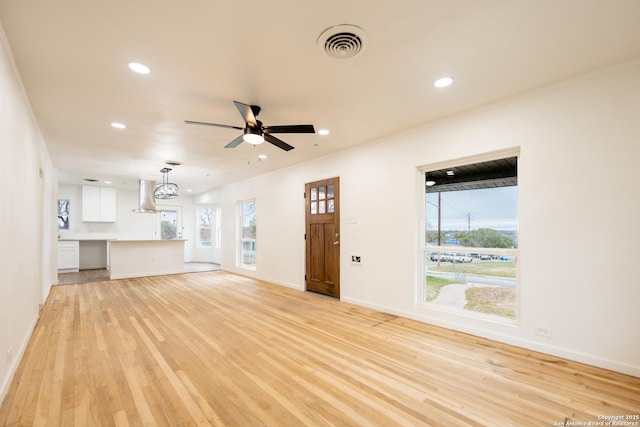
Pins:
<point x="218" y="236"/>
<point x="199" y="227"/>
<point x="425" y="249"/>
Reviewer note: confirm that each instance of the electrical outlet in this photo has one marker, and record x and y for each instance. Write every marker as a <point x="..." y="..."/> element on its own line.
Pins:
<point x="543" y="332"/>
<point x="356" y="259"/>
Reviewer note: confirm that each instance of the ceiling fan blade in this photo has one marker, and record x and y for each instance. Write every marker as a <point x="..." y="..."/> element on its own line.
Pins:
<point x="247" y="113"/>
<point x="191" y="122"/>
<point x="290" y="129"/>
<point x="235" y="142"/>
<point x="277" y="142"/>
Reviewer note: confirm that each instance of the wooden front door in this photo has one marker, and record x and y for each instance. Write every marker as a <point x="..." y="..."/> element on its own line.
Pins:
<point x="322" y="206"/>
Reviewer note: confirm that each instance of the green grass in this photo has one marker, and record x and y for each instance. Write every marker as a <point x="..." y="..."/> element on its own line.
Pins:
<point x="434" y="284"/>
<point x="485" y="268"/>
<point x="497" y="301"/>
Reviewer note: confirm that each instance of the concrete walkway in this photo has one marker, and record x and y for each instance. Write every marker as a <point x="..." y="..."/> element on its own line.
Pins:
<point x="454" y="295"/>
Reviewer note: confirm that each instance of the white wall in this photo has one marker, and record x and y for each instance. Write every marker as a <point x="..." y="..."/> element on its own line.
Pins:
<point x="27" y="218"/>
<point x="578" y="224"/>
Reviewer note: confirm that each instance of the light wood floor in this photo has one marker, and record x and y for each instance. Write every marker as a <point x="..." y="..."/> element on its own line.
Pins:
<point x="102" y="274"/>
<point x="220" y="349"/>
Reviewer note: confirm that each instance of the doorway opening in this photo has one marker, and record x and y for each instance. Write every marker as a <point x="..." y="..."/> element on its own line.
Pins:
<point x="170" y="223"/>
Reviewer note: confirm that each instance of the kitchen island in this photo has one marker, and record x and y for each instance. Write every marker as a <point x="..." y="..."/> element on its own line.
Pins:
<point x="140" y="258"/>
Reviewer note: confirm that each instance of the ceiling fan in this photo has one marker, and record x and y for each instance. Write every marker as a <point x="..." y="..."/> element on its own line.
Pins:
<point x="254" y="131"/>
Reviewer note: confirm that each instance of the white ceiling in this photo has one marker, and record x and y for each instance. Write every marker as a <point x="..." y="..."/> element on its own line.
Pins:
<point x="72" y="56"/>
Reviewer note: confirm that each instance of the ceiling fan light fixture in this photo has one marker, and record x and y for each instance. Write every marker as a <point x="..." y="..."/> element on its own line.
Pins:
<point x="253" y="136"/>
<point x="254" y="132"/>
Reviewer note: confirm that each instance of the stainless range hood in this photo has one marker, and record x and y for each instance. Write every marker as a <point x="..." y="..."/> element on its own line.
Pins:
<point x="146" y="201"/>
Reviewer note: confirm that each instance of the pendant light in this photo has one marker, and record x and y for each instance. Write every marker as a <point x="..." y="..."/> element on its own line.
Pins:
<point x="166" y="190"/>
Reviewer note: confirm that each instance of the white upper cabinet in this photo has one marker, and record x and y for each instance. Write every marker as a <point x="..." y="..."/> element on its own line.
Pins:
<point x="98" y="204"/>
<point x="107" y="204"/>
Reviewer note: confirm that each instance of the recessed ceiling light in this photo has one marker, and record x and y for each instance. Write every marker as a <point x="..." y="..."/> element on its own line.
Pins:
<point x="107" y="182"/>
<point x="139" y="68"/>
<point x="262" y="156"/>
<point x="323" y="132"/>
<point x="118" y="125"/>
<point x="443" y="82"/>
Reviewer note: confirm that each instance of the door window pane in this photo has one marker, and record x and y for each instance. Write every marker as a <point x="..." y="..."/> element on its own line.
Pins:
<point x="314" y="194"/>
<point x="168" y="225"/>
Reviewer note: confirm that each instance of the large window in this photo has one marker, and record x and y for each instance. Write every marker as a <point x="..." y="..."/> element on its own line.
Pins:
<point x="205" y="217"/>
<point x="471" y="237"/>
<point x="248" y="234"/>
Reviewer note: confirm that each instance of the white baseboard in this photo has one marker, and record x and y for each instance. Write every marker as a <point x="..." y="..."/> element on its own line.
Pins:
<point x="155" y="273"/>
<point x="553" y="350"/>
<point x="253" y="275"/>
<point x="15" y="362"/>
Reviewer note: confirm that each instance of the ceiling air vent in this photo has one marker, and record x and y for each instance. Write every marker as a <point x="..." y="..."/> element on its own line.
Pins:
<point x="342" y="41"/>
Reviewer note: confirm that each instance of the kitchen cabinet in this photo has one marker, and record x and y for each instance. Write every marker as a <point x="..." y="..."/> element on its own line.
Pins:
<point x="68" y="256"/>
<point x="98" y="204"/>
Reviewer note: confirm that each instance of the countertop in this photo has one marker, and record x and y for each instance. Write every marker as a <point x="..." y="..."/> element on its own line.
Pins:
<point x="97" y="239"/>
<point x="85" y="240"/>
<point x="146" y="241"/>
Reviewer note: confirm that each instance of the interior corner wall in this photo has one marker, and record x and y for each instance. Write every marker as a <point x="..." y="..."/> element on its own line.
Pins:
<point x="578" y="216"/>
<point x="27" y="215"/>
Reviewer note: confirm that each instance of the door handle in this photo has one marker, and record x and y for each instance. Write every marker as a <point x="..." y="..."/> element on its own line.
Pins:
<point x="336" y="243"/>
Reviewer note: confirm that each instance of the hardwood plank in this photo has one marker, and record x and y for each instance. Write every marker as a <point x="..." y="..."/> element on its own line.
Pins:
<point x="221" y="349"/>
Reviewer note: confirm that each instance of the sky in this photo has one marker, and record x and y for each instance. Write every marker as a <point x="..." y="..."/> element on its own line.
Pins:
<point x="495" y="208"/>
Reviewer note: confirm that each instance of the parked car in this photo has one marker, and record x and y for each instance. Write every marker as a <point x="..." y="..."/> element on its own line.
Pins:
<point x="444" y="257"/>
<point x="462" y="258"/>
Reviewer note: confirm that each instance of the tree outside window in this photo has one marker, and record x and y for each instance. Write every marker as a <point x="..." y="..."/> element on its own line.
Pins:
<point x="205" y="217"/>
